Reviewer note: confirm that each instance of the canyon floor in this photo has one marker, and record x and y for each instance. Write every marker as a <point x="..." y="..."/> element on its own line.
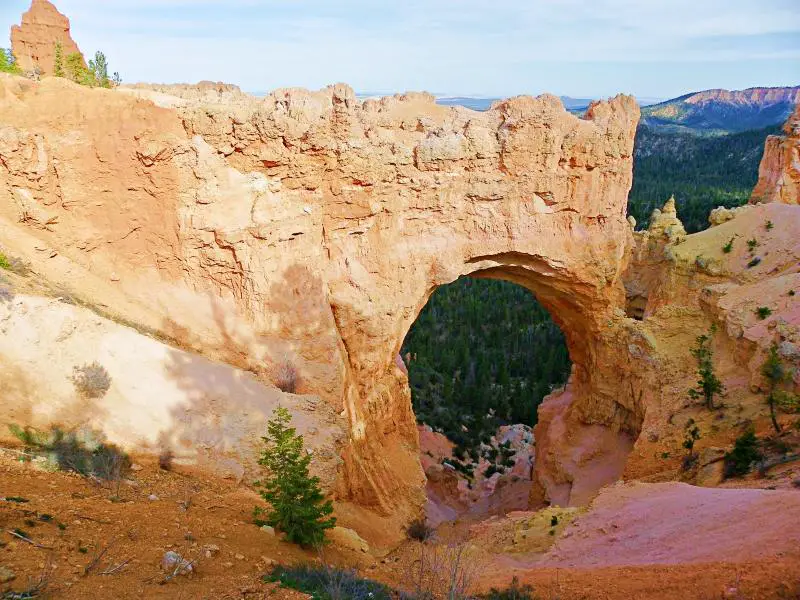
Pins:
<point x="636" y="540"/>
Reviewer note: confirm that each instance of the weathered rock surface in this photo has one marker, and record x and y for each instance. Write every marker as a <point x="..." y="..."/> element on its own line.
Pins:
<point x="161" y="398"/>
<point x="694" y="525"/>
<point x="34" y="41"/>
<point x="779" y="172"/>
<point x="311" y="228"/>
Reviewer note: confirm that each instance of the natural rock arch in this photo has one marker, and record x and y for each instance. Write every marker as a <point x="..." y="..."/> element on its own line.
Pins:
<point x="313" y="226"/>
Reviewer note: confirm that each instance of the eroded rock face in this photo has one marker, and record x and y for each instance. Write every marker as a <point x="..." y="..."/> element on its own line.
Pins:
<point x="779" y="172"/>
<point x="34" y="41"/>
<point x="311" y="228"/>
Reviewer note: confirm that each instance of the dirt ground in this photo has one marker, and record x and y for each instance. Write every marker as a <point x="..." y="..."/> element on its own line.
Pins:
<point x="89" y="546"/>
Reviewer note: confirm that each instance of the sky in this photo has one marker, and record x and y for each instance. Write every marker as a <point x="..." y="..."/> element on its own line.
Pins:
<point x="580" y="48"/>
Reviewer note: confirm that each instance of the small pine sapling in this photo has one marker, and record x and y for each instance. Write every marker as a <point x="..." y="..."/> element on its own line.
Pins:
<point x="708" y="384"/>
<point x="298" y="507"/>
<point x="690" y="436"/>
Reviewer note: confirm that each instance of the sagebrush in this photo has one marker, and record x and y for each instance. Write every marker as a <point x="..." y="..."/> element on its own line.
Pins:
<point x="91" y="380"/>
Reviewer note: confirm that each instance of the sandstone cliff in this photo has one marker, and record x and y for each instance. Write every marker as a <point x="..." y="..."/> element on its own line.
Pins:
<point x="34" y="41"/>
<point x="779" y="173"/>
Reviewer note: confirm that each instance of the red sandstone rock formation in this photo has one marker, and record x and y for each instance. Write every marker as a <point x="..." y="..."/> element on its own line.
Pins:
<point x="312" y="227"/>
<point x="779" y="173"/>
<point x="34" y="41"/>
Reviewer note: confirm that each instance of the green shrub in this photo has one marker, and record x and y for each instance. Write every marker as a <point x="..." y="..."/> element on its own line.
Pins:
<point x="762" y="312"/>
<point x="729" y="246"/>
<point x="752" y="244"/>
<point x="745" y="452"/>
<point x="327" y="583"/>
<point x="297" y="505"/>
<point x="768" y="225"/>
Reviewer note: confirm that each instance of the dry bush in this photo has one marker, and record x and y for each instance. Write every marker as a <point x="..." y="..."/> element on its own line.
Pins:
<point x="286" y="378"/>
<point x="91" y="381"/>
<point x="419" y="530"/>
<point x="165" y="459"/>
<point x="443" y="572"/>
<point x="6" y="294"/>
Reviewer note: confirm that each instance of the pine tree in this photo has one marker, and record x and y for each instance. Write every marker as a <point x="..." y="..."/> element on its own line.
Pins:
<point x="774" y="371"/>
<point x="708" y="384"/>
<point x="298" y="506"/>
<point x="76" y="71"/>
<point x="8" y="64"/>
<point x="98" y="67"/>
<point x="58" y="61"/>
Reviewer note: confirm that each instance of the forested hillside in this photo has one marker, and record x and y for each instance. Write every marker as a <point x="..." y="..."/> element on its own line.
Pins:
<point x="483" y="353"/>
<point x="723" y="111"/>
<point x="702" y="172"/>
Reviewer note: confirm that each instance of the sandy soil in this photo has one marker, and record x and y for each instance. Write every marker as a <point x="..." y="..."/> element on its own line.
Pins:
<point x="637" y="541"/>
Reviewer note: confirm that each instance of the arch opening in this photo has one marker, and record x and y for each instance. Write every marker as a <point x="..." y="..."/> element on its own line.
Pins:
<point x="482" y="355"/>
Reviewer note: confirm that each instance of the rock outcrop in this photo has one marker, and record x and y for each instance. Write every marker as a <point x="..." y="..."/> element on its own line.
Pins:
<point x="34" y="41"/>
<point x="779" y="172"/>
<point x="310" y="228"/>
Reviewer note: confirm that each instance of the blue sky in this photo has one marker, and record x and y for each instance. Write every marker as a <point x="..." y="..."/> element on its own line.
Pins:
<point x="571" y="47"/>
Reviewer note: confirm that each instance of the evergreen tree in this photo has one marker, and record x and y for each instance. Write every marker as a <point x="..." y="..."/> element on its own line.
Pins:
<point x="8" y="64"/>
<point x="775" y="373"/>
<point x="98" y="67"/>
<point x="58" y="61"/>
<point x="708" y="384"/>
<point x="76" y="71"/>
<point x="298" y="507"/>
<point x="483" y="353"/>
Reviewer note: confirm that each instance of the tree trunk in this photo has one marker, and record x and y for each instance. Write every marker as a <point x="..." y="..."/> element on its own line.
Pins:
<point x="775" y="424"/>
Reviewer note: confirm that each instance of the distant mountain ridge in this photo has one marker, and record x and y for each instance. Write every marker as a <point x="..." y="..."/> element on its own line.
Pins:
<point x="485" y="103"/>
<point x="724" y="111"/>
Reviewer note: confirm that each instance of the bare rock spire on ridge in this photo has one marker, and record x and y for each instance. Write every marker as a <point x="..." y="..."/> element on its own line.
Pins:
<point x="34" y="41"/>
